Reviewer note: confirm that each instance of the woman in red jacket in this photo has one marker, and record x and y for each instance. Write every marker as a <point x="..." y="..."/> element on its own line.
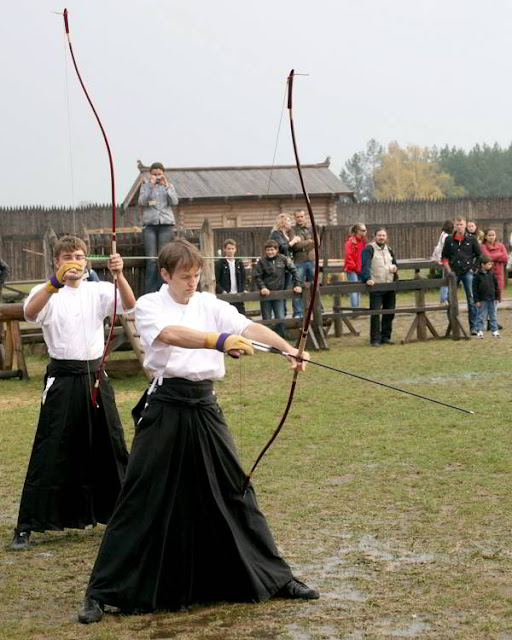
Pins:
<point x="354" y="246"/>
<point x="498" y="253"/>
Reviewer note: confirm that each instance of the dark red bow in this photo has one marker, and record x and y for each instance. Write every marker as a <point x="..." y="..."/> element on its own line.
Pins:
<point x="95" y="389"/>
<point x="308" y="315"/>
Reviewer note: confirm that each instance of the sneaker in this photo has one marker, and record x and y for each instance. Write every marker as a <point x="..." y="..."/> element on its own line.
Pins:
<point x="479" y="334"/>
<point x="297" y="590"/>
<point x="91" y="611"/>
<point x="474" y="332"/>
<point x="496" y="334"/>
<point x="21" y="540"/>
<point x="374" y="344"/>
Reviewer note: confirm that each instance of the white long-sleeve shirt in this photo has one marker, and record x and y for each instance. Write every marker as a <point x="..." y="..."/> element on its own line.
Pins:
<point x="72" y="319"/>
<point x="204" y="312"/>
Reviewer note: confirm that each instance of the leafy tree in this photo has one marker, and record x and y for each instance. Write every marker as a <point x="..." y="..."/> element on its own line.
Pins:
<point x="483" y="171"/>
<point x="412" y="173"/>
<point x="359" y="171"/>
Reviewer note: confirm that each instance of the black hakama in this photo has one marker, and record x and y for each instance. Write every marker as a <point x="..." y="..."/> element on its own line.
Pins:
<point x="79" y="456"/>
<point x="182" y="532"/>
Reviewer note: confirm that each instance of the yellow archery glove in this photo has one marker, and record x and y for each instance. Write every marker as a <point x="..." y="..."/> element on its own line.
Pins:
<point x="56" y="282"/>
<point x="228" y="342"/>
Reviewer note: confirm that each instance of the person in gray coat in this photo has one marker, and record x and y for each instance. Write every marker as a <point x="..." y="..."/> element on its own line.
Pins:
<point x="157" y="196"/>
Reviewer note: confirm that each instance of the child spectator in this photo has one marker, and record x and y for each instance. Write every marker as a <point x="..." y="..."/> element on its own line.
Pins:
<point x="269" y="275"/>
<point x="485" y="294"/>
<point x="230" y="273"/>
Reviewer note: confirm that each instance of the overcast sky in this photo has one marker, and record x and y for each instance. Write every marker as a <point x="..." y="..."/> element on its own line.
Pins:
<point x="201" y="83"/>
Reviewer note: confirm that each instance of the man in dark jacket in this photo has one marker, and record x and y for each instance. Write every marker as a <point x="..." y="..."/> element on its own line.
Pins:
<point x="460" y="254"/>
<point x="269" y="275"/>
<point x="230" y="273"/>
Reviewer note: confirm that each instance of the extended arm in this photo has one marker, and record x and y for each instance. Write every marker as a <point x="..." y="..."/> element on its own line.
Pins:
<point x="125" y="291"/>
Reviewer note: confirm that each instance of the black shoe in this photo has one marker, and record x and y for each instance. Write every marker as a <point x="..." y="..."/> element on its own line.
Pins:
<point x="387" y="342"/>
<point x="374" y="344"/>
<point x="297" y="590"/>
<point x="21" y="540"/>
<point x="91" y="611"/>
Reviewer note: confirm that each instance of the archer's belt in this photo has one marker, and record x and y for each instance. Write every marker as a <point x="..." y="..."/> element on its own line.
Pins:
<point x="73" y="367"/>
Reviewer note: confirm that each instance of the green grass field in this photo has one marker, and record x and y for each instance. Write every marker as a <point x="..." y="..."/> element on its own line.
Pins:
<point x="397" y="510"/>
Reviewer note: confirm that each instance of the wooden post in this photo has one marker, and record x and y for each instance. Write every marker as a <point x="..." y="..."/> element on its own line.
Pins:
<point x="317" y="325"/>
<point x="18" y="349"/>
<point x="336" y="302"/>
<point x="419" y="296"/>
<point x="325" y="258"/>
<point x="49" y="239"/>
<point x="453" y="308"/>
<point x="206" y="247"/>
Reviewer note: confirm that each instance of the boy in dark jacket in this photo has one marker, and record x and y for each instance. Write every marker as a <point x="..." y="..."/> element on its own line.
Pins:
<point x="230" y="273"/>
<point x="486" y="294"/>
<point x="269" y="275"/>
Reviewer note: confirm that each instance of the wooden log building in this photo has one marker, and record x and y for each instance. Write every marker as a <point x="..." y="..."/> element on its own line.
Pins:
<point x="245" y="196"/>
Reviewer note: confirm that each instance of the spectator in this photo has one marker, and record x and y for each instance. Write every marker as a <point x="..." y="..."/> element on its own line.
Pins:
<point x="379" y="266"/>
<point x="498" y="253"/>
<point x="486" y="293"/>
<point x="4" y="272"/>
<point x="91" y="276"/>
<point x="158" y="222"/>
<point x="269" y="275"/>
<point x="303" y="257"/>
<point x="282" y="233"/>
<point x="354" y="246"/>
<point x="473" y="229"/>
<point x="230" y="273"/>
<point x="459" y="255"/>
<point x="446" y="230"/>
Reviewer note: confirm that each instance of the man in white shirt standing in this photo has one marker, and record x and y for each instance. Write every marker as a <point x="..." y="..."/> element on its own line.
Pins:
<point x="79" y="455"/>
<point x="183" y="531"/>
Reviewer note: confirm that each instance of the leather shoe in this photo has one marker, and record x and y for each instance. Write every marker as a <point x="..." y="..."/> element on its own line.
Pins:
<point x="21" y="540"/>
<point x="91" y="611"/>
<point x="297" y="590"/>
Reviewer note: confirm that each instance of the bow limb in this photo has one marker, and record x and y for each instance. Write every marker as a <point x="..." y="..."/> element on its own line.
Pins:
<point x="309" y="313"/>
<point x="94" y="393"/>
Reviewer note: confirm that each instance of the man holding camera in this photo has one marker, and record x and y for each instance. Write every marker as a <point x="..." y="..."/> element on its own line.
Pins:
<point x="158" y="223"/>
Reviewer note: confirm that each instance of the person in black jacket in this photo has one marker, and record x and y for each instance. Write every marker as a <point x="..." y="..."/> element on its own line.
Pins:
<point x="230" y="273"/>
<point x="485" y="293"/>
<point x="4" y="272"/>
<point x="283" y="234"/>
<point x="269" y="275"/>
<point x="460" y="254"/>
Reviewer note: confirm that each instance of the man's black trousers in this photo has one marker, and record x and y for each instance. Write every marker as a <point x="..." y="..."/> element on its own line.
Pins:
<point x="380" y="325"/>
